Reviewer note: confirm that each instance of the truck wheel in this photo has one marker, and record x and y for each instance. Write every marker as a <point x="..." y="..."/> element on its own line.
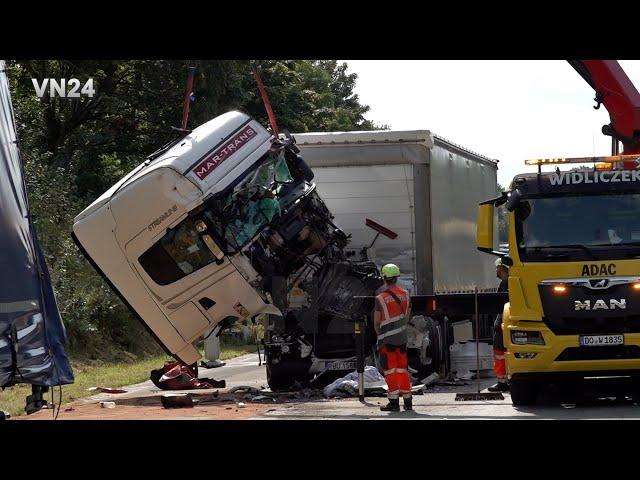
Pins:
<point x="284" y="375"/>
<point x="277" y="380"/>
<point x="523" y="392"/>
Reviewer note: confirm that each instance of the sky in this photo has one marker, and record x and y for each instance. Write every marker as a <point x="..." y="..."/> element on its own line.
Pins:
<point x="506" y="110"/>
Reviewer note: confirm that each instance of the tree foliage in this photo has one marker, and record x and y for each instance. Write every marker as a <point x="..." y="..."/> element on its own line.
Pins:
<point x="74" y="149"/>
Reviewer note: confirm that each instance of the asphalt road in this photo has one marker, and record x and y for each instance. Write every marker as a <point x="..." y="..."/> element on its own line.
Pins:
<point x="438" y="403"/>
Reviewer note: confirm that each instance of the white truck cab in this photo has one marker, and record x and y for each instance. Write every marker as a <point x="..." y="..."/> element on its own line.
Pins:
<point x="182" y="237"/>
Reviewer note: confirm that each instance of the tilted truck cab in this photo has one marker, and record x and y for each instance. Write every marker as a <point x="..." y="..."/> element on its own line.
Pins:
<point x="194" y="237"/>
<point x="574" y="283"/>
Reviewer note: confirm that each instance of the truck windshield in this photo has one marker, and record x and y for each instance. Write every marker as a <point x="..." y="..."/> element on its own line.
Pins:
<point x="578" y="227"/>
<point x="255" y="201"/>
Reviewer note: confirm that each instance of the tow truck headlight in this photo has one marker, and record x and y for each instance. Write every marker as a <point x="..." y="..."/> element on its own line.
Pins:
<point x="559" y="289"/>
<point x="524" y="337"/>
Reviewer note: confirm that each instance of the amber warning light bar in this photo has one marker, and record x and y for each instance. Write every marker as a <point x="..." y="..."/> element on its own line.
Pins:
<point x="628" y="161"/>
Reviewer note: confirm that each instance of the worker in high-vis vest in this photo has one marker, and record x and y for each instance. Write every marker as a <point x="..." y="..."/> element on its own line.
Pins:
<point x="390" y="317"/>
<point x="499" y="363"/>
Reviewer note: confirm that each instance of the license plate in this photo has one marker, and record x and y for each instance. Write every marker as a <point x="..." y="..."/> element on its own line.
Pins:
<point x="343" y="365"/>
<point x="601" y="340"/>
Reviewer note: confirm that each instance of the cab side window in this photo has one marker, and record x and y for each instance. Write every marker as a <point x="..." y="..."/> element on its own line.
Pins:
<point x="178" y="253"/>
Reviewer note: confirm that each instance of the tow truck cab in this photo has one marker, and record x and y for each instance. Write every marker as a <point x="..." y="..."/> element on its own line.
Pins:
<point x="574" y="283"/>
<point x="197" y="237"/>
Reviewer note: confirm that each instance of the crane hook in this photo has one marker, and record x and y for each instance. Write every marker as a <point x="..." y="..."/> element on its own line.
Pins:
<point x="598" y="100"/>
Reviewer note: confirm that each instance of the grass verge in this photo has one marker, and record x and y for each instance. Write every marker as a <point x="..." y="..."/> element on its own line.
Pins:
<point x="100" y="374"/>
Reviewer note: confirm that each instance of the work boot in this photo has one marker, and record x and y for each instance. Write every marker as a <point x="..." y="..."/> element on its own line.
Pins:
<point x="392" y="406"/>
<point x="499" y="387"/>
<point x="408" y="403"/>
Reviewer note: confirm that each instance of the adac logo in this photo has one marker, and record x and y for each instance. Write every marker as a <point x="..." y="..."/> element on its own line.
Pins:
<point x="593" y="269"/>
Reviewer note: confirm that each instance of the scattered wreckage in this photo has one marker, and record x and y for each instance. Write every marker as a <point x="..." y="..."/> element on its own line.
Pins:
<point x="226" y="224"/>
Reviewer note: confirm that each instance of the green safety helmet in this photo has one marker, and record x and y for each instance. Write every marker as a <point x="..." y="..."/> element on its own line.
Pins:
<point x="390" y="271"/>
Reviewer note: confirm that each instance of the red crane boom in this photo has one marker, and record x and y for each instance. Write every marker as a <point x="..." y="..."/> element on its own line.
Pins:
<point x="620" y="97"/>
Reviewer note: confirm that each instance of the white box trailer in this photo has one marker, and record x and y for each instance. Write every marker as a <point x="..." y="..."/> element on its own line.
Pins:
<point x="417" y="184"/>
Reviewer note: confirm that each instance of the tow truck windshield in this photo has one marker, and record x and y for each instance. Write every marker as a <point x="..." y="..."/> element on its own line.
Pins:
<point x="578" y="227"/>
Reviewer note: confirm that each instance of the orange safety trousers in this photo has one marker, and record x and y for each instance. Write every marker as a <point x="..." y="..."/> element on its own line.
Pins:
<point x="499" y="364"/>
<point x="394" y="363"/>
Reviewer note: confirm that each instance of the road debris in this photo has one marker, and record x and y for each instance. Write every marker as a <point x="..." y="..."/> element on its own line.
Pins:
<point x="261" y="398"/>
<point x="212" y="364"/>
<point x="478" y="396"/>
<point x="108" y="404"/>
<point x="175" y="375"/>
<point x="177" y="400"/>
<point x="240" y="405"/>
<point x="106" y="390"/>
<point x="373" y="379"/>
<point x="430" y="379"/>
<point x="246" y="388"/>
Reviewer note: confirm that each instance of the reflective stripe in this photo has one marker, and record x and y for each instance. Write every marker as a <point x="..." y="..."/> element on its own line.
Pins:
<point x="393" y="395"/>
<point x="385" y="310"/>
<point x="389" y="372"/>
<point x="390" y="320"/>
<point x="392" y="332"/>
<point x="392" y="326"/>
<point x="394" y="370"/>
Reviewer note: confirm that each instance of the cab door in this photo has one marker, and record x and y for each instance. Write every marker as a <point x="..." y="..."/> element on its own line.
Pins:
<point x="192" y="279"/>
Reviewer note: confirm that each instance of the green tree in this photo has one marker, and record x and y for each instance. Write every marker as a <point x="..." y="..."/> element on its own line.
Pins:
<point x="74" y="149"/>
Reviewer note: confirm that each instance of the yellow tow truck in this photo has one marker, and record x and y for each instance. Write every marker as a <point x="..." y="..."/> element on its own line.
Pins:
<point x="574" y="284"/>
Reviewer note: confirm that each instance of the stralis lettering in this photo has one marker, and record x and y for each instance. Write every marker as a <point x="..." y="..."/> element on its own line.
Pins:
<point x="162" y="218"/>
<point x="230" y="147"/>
<point x="575" y="178"/>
